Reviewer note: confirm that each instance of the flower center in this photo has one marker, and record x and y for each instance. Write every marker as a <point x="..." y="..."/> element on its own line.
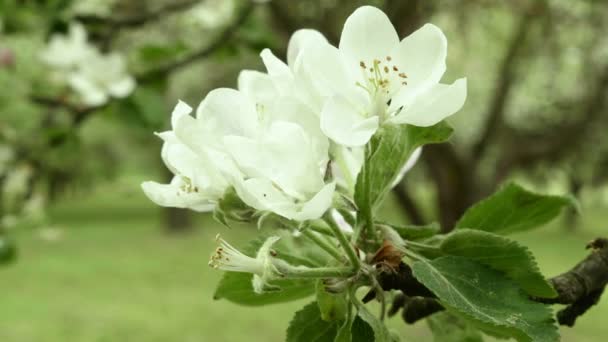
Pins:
<point x="381" y="80"/>
<point x="228" y="258"/>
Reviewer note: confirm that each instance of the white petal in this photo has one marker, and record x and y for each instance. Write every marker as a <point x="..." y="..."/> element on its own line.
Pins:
<point x="341" y="222"/>
<point x="122" y="88"/>
<point x="436" y="104"/>
<point x="344" y="124"/>
<point x="290" y="110"/>
<point x="285" y="157"/>
<point x="258" y="86"/>
<point x="318" y="205"/>
<point x="298" y="42"/>
<point x="90" y="93"/>
<point x="367" y="35"/>
<point x="181" y="109"/>
<point x="262" y="195"/>
<point x="228" y="112"/>
<point x="421" y="56"/>
<point x="274" y="66"/>
<point x="192" y="133"/>
<point x="169" y="195"/>
<point x="409" y="164"/>
<point x="326" y="70"/>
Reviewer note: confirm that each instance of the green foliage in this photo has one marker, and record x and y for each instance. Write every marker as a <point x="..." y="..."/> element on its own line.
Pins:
<point x="447" y="327"/>
<point x="413" y="232"/>
<point x="333" y="306"/>
<point x="488" y="297"/>
<point x="385" y="155"/>
<point x="381" y="333"/>
<point x="153" y="54"/>
<point x="502" y="254"/>
<point x="513" y="209"/>
<point x="307" y="325"/>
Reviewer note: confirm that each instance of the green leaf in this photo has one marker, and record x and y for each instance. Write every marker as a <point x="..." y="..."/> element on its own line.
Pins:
<point x="333" y="306"/>
<point x="447" y="327"/>
<point x="381" y="333"/>
<point x="361" y="331"/>
<point x="487" y="296"/>
<point x="308" y="326"/>
<point x="413" y="232"/>
<point x="385" y="155"/>
<point x="237" y="288"/>
<point x="153" y="54"/>
<point x="502" y="254"/>
<point x="513" y="209"/>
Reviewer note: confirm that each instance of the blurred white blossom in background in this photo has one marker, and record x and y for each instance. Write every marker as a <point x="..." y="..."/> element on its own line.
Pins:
<point x="94" y="76"/>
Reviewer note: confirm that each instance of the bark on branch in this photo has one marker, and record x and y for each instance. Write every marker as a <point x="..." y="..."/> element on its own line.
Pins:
<point x="139" y="20"/>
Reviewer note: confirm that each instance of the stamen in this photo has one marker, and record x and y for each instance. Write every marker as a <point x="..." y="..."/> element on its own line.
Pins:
<point x="362" y="64"/>
<point x="388" y="58"/>
<point x="395" y="68"/>
<point x="386" y="69"/>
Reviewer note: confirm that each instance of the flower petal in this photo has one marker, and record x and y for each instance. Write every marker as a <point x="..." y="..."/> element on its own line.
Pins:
<point x="122" y="88"/>
<point x="344" y="124"/>
<point x="228" y="112"/>
<point x="436" y="104"/>
<point x="421" y="56"/>
<point x="299" y="40"/>
<point x="291" y="110"/>
<point x="260" y="194"/>
<point x="318" y="205"/>
<point x="325" y="68"/>
<point x="90" y="93"/>
<point x="285" y="157"/>
<point x="409" y="164"/>
<point x="257" y="85"/>
<point x="181" y="109"/>
<point x="368" y="34"/>
<point x="169" y="195"/>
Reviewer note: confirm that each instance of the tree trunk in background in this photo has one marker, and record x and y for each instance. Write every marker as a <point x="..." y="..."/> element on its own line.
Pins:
<point x="176" y="220"/>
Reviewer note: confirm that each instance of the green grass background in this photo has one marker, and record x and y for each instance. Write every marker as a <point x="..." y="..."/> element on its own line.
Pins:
<point x="114" y="275"/>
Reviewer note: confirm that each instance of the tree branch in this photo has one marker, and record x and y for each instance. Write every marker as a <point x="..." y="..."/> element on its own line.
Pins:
<point x="505" y="84"/>
<point x="139" y="20"/>
<point x="580" y="288"/>
<point x="219" y="41"/>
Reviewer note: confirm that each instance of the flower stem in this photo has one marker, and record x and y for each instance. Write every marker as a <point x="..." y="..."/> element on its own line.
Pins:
<point x="319" y="227"/>
<point x="323" y="243"/>
<point x="302" y="272"/>
<point x="339" y="234"/>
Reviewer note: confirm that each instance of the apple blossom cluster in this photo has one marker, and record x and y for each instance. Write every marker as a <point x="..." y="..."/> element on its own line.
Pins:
<point x="291" y="141"/>
<point x="94" y="76"/>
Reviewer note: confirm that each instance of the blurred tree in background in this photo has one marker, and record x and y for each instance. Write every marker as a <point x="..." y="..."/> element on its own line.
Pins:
<point x="538" y="76"/>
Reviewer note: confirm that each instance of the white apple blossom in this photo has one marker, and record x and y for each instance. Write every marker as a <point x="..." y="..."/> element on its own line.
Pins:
<point x="273" y="155"/>
<point x="230" y="259"/>
<point x="373" y="77"/>
<point x="94" y="76"/>
<point x="101" y="77"/>
<point x="197" y="185"/>
<point x="65" y="52"/>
